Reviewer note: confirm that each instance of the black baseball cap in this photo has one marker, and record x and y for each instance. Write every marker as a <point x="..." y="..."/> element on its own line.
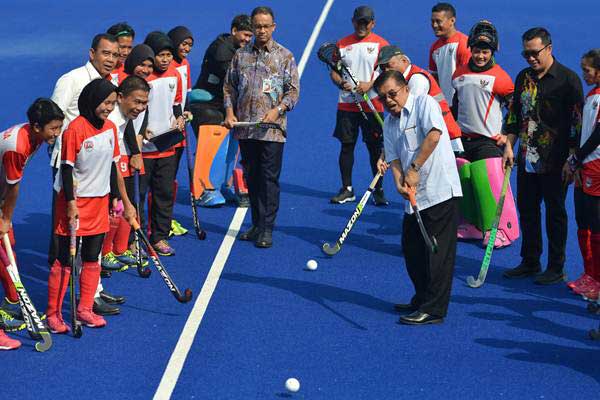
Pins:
<point x="387" y="52"/>
<point x="363" y="13"/>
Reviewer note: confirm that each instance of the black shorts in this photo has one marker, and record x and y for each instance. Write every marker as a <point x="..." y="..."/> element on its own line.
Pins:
<point x="479" y="148"/>
<point x="348" y="122"/>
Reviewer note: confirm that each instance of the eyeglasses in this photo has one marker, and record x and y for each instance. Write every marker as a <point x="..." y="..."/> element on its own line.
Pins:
<point x="533" y="53"/>
<point x="391" y="94"/>
<point x="261" y="27"/>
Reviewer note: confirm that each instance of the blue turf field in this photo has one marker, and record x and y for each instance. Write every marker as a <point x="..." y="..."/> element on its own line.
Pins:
<point x="269" y="319"/>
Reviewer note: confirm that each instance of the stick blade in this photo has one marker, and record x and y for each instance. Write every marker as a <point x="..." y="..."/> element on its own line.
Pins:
<point x="143" y="272"/>
<point x="77" y="331"/>
<point x="474" y="283"/>
<point x="46" y="342"/>
<point x="187" y="296"/>
<point x="330" y="250"/>
<point x="201" y="234"/>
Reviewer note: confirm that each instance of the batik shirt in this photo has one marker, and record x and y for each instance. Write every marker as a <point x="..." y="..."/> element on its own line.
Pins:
<point x="257" y="81"/>
<point x="546" y="115"/>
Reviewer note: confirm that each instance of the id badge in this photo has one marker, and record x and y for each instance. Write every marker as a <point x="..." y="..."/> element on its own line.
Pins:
<point x="266" y="86"/>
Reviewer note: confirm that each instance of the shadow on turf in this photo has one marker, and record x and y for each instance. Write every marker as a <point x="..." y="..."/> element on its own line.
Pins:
<point x="318" y="293"/>
<point x="582" y="360"/>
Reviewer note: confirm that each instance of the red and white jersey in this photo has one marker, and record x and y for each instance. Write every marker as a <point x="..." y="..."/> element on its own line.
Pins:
<point x="186" y="77"/>
<point x="117" y="76"/>
<point x="445" y="55"/>
<point x="90" y="152"/>
<point x="480" y="98"/>
<point x="591" y="164"/>
<point x="17" y="145"/>
<point x="360" y="55"/>
<point x="165" y="92"/>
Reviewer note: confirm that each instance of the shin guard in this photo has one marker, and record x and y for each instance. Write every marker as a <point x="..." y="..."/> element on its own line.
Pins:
<point x="469" y="215"/>
<point x="595" y="250"/>
<point x="120" y="242"/>
<point x="58" y="282"/>
<point x="584" y="236"/>
<point x="88" y="282"/>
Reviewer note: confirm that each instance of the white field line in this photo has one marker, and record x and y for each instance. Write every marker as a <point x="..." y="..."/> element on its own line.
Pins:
<point x="186" y="339"/>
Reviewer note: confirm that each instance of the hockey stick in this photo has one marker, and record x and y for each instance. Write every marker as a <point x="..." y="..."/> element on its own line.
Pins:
<point x="182" y="298"/>
<point x="471" y="281"/>
<point x="430" y="241"/>
<point x="75" y="325"/>
<point x="333" y="250"/>
<point x="200" y="233"/>
<point x="142" y="271"/>
<point x="35" y="326"/>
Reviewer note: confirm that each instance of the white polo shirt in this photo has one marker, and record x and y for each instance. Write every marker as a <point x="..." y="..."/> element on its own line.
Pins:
<point x="66" y="94"/>
<point x="403" y="137"/>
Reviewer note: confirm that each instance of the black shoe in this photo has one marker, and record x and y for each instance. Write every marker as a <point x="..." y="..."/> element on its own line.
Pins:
<point x="250" y="235"/>
<point x="103" y="308"/>
<point x="549" y="277"/>
<point x="104" y="273"/>
<point x="379" y="198"/>
<point x="420" y="318"/>
<point x="523" y="270"/>
<point x="343" y="196"/>
<point x="243" y="201"/>
<point x="405" y="307"/>
<point x="112" y="298"/>
<point x="264" y="240"/>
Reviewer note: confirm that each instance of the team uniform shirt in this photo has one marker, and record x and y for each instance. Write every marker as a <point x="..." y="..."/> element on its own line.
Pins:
<point x="445" y="55"/>
<point x="165" y="92"/>
<point x="90" y="152"/>
<point x="403" y="137"/>
<point x="118" y="75"/>
<point x="481" y="96"/>
<point x="66" y="94"/>
<point x="186" y="84"/>
<point x="590" y="174"/>
<point x="360" y="55"/>
<point x="17" y="146"/>
<point x="120" y="121"/>
<point x="422" y="82"/>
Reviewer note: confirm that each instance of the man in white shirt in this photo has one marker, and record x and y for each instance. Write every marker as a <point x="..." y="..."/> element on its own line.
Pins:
<point x="417" y="145"/>
<point x="103" y="56"/>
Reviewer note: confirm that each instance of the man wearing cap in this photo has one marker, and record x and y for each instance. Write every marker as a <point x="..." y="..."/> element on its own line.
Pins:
<point x="359" y="51"/>
<point x="418" y="146"/>
<point x="419" y="82"/>
<point x="448" y="52"/>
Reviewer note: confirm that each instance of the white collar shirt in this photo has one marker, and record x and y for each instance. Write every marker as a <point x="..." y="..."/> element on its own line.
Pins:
<point x="403" y="137"/>
<point x="66" y="95"/>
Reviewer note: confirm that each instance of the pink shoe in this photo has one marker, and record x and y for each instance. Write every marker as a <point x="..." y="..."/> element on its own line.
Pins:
<point x="467" y="231"/>
<point x="56" y="324"/>
<point x="8" y="343"/>
<point x="592" y="294"/>
<point x="501" y="239"/>
<point x="586" y="286"/>
<point x="579" y="281"/>
<point x="89" y="319"/>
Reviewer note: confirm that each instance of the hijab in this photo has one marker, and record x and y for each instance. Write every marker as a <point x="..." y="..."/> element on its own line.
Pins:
<point x="92" y="95"/>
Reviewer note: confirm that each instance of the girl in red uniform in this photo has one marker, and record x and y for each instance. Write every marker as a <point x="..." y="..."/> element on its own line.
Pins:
<point x="585" y="163"/>
<point x="87" y="178"/>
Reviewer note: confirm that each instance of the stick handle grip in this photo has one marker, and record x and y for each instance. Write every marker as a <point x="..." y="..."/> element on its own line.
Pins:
<point x="72" y="238"/>
<point x="412" y="197"/>
<point x="136" y="187"/>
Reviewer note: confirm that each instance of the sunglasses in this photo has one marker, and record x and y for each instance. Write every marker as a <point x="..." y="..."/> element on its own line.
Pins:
<point x="533" y="53"/>
<point x="390" y="94"/>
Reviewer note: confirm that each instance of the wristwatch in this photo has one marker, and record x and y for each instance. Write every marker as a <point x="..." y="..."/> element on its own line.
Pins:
<point x="415" y="166"/>
<point x="281" y="111"/>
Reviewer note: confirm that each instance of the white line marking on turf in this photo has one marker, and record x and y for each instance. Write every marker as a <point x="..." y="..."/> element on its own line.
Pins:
<point x="186" y="339"/>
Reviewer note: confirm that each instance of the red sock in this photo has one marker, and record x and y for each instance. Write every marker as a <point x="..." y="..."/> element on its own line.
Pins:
<point x="58" y="281"/>
<point x="7" y="284"/>
<point x="584" y="235"/>
<point x="122" y="236"/>
<point x="595" y="255"/>
<point x="88" y="282"/>
<point x="107" y="245"/>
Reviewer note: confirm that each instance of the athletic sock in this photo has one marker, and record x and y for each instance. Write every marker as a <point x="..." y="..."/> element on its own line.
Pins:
<point x="585" y="246"/>
<point x="88" y="283"/>
<point x="7" y="284"/>
<point x="595" y="255"/>
<point x="58" y="281"/>
<point x="109" y="238"/>
<point x="121" y="237"/>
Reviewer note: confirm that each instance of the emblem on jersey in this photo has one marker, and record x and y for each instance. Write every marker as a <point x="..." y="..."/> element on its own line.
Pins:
<point x="484" y="83"/>
<point x="349" y="48"/>
<point x="595" y="104"/>
<point x="370" y="49"/>
<point x="462" y="78"/>
<point x="6" y="135"/>
<point x="451" y="50"/>
<point x="88" y="146"/>
<point x="171" y="86"/>
<point x="588" y="182"/>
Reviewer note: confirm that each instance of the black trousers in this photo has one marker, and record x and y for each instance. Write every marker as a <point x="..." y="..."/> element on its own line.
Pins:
<point x="531" y="190"/>
<point x="587" y="210"/>
<point x="431" y="274"/>
<point x="159" y="177"/>
<point x="262" y="162"/>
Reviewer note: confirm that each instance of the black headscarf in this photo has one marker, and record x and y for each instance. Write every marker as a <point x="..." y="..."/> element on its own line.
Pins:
<point x="138" y="55"/>
<point x="159" y="41"/>
<point x="178" y="35"/>
<point x="92" y="95"/>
